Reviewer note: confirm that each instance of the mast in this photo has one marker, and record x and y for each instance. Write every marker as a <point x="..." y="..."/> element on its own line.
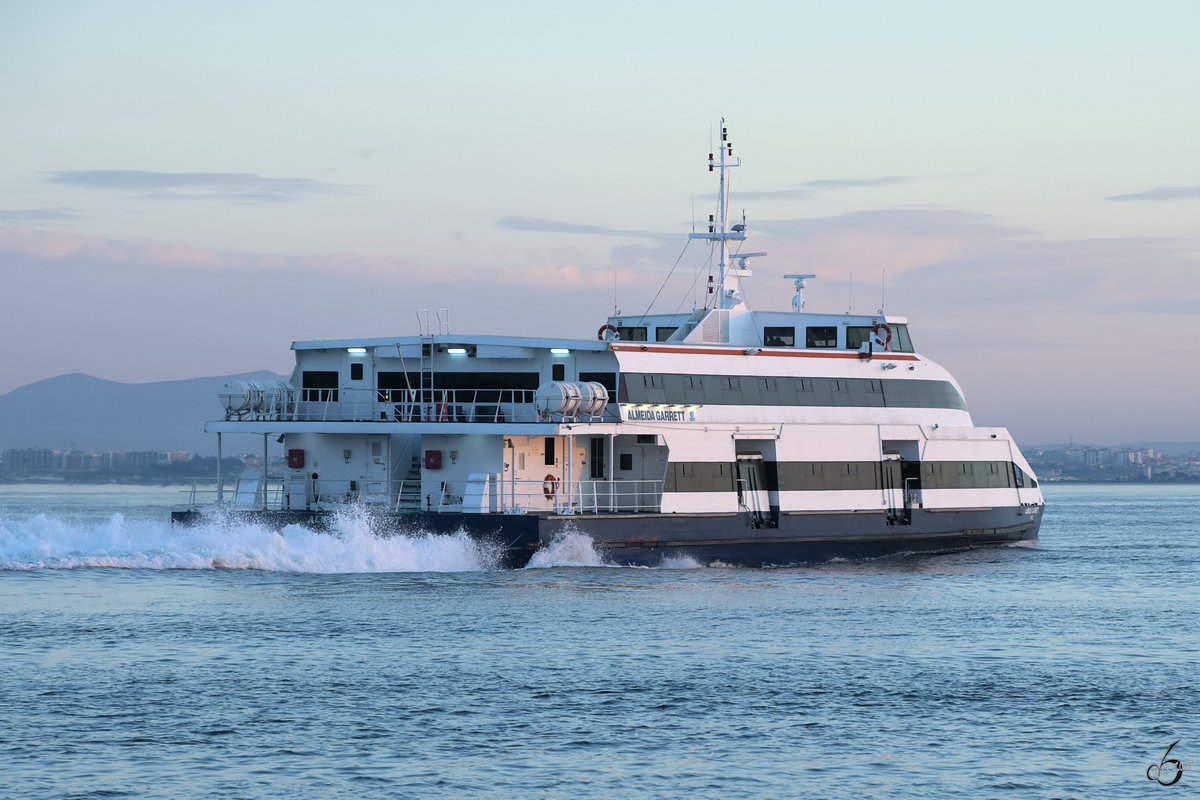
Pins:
<point x="729" y="279"/>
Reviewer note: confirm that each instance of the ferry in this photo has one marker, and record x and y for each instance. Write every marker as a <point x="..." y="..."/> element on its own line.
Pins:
<point x="720" y="434"/>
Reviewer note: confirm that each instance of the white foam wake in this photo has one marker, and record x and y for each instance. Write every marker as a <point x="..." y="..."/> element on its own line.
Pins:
<point x="47" y="542"/>
<point x="575" y="549"/>
<point x="568" y="550"/>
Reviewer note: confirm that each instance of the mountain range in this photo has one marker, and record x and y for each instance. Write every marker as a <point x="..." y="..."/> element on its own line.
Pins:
<point x="79" y="412"/>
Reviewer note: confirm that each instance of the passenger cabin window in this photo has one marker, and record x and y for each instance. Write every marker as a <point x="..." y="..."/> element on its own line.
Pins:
<point x="626" y="461"/>
<point x="661" y="334"/>
<point x="606" y="379"/>
<point x="779" y="337"/>
<point x="821" y="336"/>
<point x="558" y="372"/>
<point x="319" y="386"/>
<point x="596" y="462"/>
<point x="356" y="371"/>
<point x="632" y="334"/>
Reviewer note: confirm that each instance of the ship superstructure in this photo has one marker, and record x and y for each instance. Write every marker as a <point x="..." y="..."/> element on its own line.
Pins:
<point x="723" y="433"/>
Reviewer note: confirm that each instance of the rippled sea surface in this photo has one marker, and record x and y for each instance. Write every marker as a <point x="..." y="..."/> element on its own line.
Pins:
<point x="142" y="661"/>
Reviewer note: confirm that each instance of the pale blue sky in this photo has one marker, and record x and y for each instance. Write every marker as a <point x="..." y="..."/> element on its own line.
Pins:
<point x="190" y="187"/>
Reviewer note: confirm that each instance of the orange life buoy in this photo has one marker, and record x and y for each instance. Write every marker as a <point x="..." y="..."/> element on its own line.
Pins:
<point x="882" y="335"/>
<point x="607" y="333"/>
<point x="549" y="486"/>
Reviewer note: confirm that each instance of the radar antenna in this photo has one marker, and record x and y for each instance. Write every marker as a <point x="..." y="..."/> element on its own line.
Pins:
<point x="798" y="298"/>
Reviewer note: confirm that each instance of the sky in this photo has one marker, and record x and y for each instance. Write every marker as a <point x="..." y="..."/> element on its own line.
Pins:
<point x="188" y="188"/>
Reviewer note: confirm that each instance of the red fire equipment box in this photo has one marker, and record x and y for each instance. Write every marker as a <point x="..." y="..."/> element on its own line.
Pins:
<point x="433" y="459"/>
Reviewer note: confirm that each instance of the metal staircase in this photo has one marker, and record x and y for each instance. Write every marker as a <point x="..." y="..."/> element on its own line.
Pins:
<point x="409" y="498"/>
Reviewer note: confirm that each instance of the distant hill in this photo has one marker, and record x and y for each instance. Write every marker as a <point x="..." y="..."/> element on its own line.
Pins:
<point x="85" y="413"/>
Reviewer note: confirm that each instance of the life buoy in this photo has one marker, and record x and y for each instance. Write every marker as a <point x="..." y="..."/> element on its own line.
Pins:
<point x="881" y="336"/>
<point x="607" y="333"/>
<point x="549" y="486"/>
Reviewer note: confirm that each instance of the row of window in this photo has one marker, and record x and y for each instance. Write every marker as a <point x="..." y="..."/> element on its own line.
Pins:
<point x="667" y="389"/>
<point x="490" y="387"/>
<point x="671" y="389"/>
<point x="799" y="476"/>
<point x="815" y="336"/>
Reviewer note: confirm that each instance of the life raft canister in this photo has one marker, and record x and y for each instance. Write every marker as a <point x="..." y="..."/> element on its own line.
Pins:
<point x="607" y="333"/>
<point x="549" y="486"/>
<point x="881" y="335"/>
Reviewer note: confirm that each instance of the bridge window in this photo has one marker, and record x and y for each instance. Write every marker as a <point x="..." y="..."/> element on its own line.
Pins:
<point x="632" y="334"/>
<point x="821" y="336"/>
<point x="901" y="343"/>
<point x="779" y="337"/>
<point x="857" y="335"/>
<point x="661" y="334"/>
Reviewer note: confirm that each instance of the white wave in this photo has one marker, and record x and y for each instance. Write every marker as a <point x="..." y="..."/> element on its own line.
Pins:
<point x="46" y="542"/>
<point x="569" y="549"/>
<point x="680" y="562"/>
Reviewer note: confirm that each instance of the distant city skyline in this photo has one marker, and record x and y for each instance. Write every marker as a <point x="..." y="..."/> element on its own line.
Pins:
<point x="190" y="188"/>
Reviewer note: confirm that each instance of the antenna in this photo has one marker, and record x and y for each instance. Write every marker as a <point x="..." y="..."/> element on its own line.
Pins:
<point x="850" y="307"/>
<point x="727" y="284"/>
<point x="798" y="298"/>
<point x="882" y="289"/>
<point x="616" y="311"/>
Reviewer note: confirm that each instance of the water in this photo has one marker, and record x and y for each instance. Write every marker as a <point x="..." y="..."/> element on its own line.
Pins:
<point x="142" y="661"/>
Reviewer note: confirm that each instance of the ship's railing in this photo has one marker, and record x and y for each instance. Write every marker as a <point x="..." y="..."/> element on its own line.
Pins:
<point x="422" y="405"/>
<point x="577" y="497"/>
<point x="279" y="494"/>
<point x="235" y="494"/>
<point x="493" y="495"/>
<point x="601" y="496"/>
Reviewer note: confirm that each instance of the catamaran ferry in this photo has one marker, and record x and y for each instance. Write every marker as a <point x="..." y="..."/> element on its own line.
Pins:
<point x="723" y="434"/>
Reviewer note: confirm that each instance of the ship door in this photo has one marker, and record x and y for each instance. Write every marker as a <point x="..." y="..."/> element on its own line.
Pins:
<point x="752" y="488"/>
<point x="910" y="472"/>
<point x="375" y="471"/>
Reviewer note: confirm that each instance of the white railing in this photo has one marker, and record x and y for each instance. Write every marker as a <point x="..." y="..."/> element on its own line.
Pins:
<point x="408" y="405"/>
<point x="578" y="497"/>
<point x="278" y="495"/>
<point x="495" y="496"/>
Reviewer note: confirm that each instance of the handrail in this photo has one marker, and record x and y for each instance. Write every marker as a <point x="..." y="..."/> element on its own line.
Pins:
<point x="499" y="497"/>
<point x="357" y="404"/>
